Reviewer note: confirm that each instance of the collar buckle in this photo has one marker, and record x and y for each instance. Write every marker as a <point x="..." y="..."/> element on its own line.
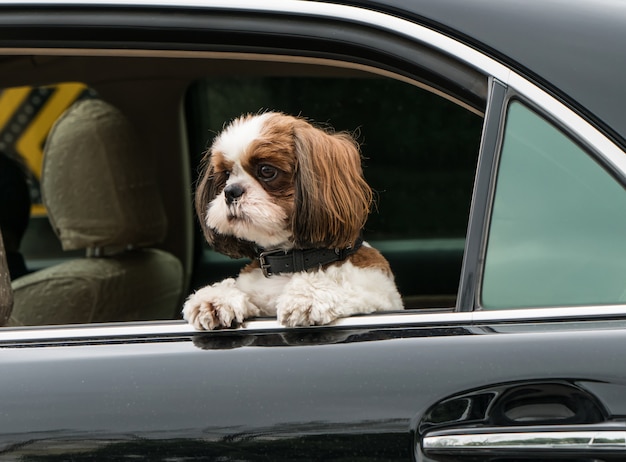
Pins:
<point x="266" y="265"/>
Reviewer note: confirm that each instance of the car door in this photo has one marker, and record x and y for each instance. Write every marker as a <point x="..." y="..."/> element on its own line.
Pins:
<point x="412" y="387"/>
<point x="526" y="364"/>
<point x="552" y="246"/>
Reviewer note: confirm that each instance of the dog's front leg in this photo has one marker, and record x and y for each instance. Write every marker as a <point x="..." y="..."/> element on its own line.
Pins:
<point x="321" y="297"/>
<point x="219" y="305"/>
<point x="309" y="299"/>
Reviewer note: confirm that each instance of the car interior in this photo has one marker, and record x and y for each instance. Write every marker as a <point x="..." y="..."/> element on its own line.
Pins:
<point x="112" y="146"/>
<point x="109" y="207"/>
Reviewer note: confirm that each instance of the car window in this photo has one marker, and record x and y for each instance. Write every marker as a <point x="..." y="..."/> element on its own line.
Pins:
<point x="419" y="154"/>
<point x="558" y="224"/>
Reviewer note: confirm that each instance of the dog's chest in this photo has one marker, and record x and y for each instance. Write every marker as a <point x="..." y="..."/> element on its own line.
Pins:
<point x="263" y="291"/>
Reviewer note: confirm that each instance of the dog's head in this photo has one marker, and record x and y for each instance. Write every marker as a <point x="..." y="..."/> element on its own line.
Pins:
<point x="274" y="181"/>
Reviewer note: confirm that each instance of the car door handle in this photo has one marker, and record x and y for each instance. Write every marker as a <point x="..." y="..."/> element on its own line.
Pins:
<point x="523" y="441"/>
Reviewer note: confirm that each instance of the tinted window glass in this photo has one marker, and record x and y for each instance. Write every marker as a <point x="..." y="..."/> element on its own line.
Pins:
<point x="558" y="228"/>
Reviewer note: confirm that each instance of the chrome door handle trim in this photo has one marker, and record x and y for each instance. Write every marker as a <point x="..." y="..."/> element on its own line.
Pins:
<point x="595" y="440"/>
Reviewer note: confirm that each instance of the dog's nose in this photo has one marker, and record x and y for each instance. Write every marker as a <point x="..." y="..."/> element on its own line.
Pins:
<point x="232" y="192"/>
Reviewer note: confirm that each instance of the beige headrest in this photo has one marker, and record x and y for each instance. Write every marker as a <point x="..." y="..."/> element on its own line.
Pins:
<point x="98" y="182"/>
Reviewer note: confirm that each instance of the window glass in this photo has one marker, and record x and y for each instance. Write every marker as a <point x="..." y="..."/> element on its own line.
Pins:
<point x="558" y="227"/>
<point x="419" y="152"/>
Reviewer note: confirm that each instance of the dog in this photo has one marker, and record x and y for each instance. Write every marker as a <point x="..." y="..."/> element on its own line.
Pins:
<point x="292" y="197"/>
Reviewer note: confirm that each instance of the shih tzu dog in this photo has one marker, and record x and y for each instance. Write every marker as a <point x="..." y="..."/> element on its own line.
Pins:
<point x="291" y="197"/>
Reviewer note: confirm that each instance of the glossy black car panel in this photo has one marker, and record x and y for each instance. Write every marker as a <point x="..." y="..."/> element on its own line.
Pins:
<point x="563" y="48"/>
<point x="350" y="394"/>
<point x="462" y="377"/>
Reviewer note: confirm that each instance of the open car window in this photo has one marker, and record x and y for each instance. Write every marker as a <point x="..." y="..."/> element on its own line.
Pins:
<point x="419" y="155"/>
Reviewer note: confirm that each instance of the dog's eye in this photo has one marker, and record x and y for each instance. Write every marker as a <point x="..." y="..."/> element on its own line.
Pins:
<point x="267" y="172"/>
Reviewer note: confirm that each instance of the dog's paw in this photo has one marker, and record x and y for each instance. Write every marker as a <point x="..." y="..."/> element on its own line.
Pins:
<point x="217" y="306"/>
<point x="306" y="312"/>
<point x="310" y="299"/>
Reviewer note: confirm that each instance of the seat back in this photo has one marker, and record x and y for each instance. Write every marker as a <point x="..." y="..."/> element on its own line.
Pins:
<point x="100" y="191"/>
<point x="6" y="294"/>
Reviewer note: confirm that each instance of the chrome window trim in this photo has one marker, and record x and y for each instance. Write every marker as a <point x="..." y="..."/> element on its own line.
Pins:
<point x="413" y="318"/>
<point x="586" y="132"/>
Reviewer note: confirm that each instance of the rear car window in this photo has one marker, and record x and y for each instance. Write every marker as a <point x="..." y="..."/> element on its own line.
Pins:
<point x="558" y="223"/>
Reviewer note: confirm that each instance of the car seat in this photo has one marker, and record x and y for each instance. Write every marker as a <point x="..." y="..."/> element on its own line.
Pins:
<point x="6" y="295"/>
<point x="100" y="192"/>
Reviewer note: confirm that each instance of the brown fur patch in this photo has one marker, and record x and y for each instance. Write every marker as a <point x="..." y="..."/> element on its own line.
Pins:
<point x="332" y="198"/>
<point x="275" y="147"/>
<point x="254" y="264"/>
<point x="210" y="184"/>
<point x="368" y="257"/>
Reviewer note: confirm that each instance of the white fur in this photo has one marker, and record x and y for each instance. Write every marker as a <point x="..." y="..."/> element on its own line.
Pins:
<point x="236" y="138"/>
<point x="218" y="305"/>
<point x="299" y="299"/>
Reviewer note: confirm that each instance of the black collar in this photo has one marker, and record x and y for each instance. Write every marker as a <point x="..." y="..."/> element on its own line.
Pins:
<point x="296" y="260"/>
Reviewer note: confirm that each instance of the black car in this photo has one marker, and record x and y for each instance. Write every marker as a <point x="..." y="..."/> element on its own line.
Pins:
<point x="494" y="136"/>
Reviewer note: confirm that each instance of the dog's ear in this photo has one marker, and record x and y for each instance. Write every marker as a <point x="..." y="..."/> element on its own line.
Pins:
<point x="333" y="199"/>
<point x="209" y="186"/>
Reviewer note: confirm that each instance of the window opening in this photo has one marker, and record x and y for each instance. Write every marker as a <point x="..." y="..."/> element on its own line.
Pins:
<point x="419" y="154"/>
